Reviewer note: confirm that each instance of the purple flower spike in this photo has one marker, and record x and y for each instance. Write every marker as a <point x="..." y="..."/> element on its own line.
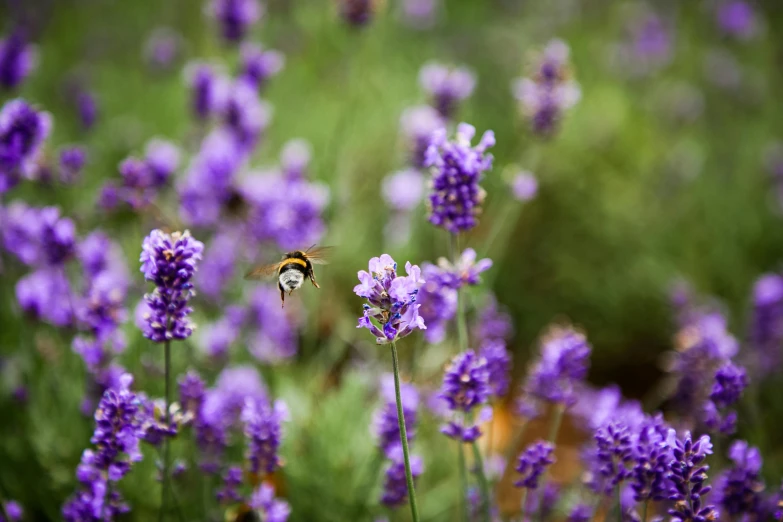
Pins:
<point x="524" y="186"/>
<point x="385" y="425"/>
<point x="465" y="388"/>
<point x="169" y="261"/>
<point x="688" y="475"/>
<point x="499" y="365"/>
<point x="611" y="458"/>
<point x="23" y="131"/>
<point x="652" y="456"/>
<point x="548" y="92"/>
<point x="392" y="312"/>
<point x="87" y="108"/>
<point x="270" y="509"/>
<point x="17" y="60"/>
<point x="395" y="488"/>
<point x="263" y="432"/>
<point x="730" y="382"/>
<point x="766" y="331"/>
<point x="403" y="190"/>
<point x="438" y="299"/>
<point x="533" y="462"/>
<point x="466" y="270"/>
<point x="737" y="18"/>
<point x="446" y="86"/>
<point x="258" y="64"/>
<point x="458" y="167"/>
<point x="739" y="489"/>
<point x="235" y="17"/>
<point x="72" y="160"/>
<point x="580" y="513"/>
<point x="162" y="159"/>
<point x="208" y="89"/>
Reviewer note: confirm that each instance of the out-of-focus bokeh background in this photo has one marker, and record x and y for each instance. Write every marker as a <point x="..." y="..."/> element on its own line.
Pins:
<point x="666" y="171"/>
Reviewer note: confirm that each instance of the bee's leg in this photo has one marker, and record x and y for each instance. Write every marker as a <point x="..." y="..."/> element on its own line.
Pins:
<point x="312" y="279"/>
<point x="282" y="297"/>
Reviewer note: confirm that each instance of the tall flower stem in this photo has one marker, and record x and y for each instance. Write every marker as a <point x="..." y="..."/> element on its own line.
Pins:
<point x="404" y="436"/>
<point x="644" y="510"/>
<point x="619" y="503"/>
<point x="463" y="480"/>
<point x="483" y="483"/>
<point x="166" y="455"/>
<point x="554" y="426"/>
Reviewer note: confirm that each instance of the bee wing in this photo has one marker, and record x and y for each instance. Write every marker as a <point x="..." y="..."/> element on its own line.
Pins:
<point x="262" y="271"/>
<point x="319" y="255"/>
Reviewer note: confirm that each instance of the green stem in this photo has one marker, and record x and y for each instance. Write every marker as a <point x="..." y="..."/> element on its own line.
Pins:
<point x="644" y="510"/>
<point x="619" y="504"/>
<point x="554" y="427"/>
<point x="463" y="480"/>
<point x="404" y="436"/>
<point x="483" y="484"/>
<point x="164" y="493"/>
<point x="462" y="327"/>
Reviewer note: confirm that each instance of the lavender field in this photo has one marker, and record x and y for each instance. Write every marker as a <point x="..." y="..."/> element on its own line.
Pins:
<point x="374" y="260"/>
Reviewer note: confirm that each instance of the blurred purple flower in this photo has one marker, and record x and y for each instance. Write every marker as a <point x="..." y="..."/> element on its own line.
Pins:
<point x="262" y="427"/>
<point x="492" y="322"/>
<point x="275" y="338"/>
<point x="403" y="190"/>
<point x="46" y="295"/>
<point x="259" y="64"/>
<point x="295" y="157"/>
<point x="466" y="270"/>
<point x="611" y="458"/>
<point x="169" y="261"/>
<point x="271" y="509"/>
<point x="550" y="91"/>
<point x="438" y="301"/>
<point x="235" y="17"/>
<point x="730" y="382"/>
<point x="446" y="86"/>
<point x="21" y="232"/>
<point x="419" y="124"/>
<point x="458" y="167"/>
<point x="191" y="392"/>
<point x="385" y="426"/>
<point x="14" y="511"/>
<point x="392" y="300"/>
<point x="739" y="489"/>
<point x="208" y="89"/>
<point x="232" y="481"/>
<point x="524" y="186"/>
<point x="499" y="365"/>
<point x="532" y="463"/>
<point x="466" y="387"/>
<point x="737" y="18"/>
<point x="219" y="264"/>
<point x="17" y="59"/>
<point x="163" y="48"/>
<point x="688" y="473"/>
<point x="356" y="12"/>
<point x="561" y="368"/>
<point x="87" y="108"/>
<point x="72" y="160"/>
<point x="652" y="456"/>
<point x="580" y="513"/>
<point x="395" y="488"/>
<point x="162" y="158"/>
<point x="419" y="14"/>
<point x="23" y="130"/>
<point x="766" y="330"/>
<point x="245" y="114"/>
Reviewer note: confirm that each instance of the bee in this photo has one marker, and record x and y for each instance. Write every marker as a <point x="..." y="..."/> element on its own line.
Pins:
<point x="292" y="269"/>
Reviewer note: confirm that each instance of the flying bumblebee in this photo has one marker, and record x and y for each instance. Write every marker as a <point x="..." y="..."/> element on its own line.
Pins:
<point x="292" y="269"/>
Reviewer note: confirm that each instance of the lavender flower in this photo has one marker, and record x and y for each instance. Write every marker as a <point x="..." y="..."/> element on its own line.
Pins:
<point x="235" y="17"/>
<point x="730" y="382"/>
<point x="14" y="511"/>
<point x="23" y="131"/>
<point x="766" y="331"/>
<point x="466" y="387"/>
<point x="524" y="186"/>
<point x="438" y="300"/>
<point x="418" y="124"/>
<point x="295" y="157"/>
<point x="580" y="513"/>
<point x="611" y="458"/>
<point x="392" y="300"/>
<point x="385" y="426"/>
<point x="46" y="295"/>
<point x="492" y="322"/>
<point x="276" y="338"/>
<point x="232" y="480"/>
<point x="532" y="464"/>
<point x="498" y="364"/>
<point x="465" y="271"/>
<point x="162" y="159"/>
<point x="562" y="366"/>
<point x="688" y="474"/>
<point x="87" y="108"/>
<point x="419" y="14"/>
<point x="245" y="114"/>
<point x="403" y="190"/>
<point x="357" y="12"/>
<point x="208" y="89"/>
<point x="446" y="86"/>
<point x="162" y="48"/>
<point x="271" y="509"/>
<point x="456" y="197"/>
<point x="652" y="456"/>
<point x="169" y="261"/>
<point x="395" y="488"/>
<point x="191" y="392"/>
<point x="118" y="430"/>
<point x="736" y="18"/>
<point x="739" y="489"/>
<point x="72" y="160"/>
<point x="258" y="64"/>
<point x="550" y="91"/>
<point x="263" y="433"/>
<point x="17" y="59"/>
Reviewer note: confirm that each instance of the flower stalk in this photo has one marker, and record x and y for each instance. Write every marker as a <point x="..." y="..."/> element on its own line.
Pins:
<point x="404" y="435"/>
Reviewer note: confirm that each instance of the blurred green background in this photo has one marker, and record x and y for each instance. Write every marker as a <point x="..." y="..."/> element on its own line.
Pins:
<point x="651" y="179"/>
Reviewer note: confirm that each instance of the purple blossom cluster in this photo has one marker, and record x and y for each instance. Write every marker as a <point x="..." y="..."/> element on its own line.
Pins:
<point x="234" y="17"/>
<point x="169" y="261"/>
<point x="532" y="464"/>
<point x="17" y="59"/>
<point x="766" y="323"/>
<point x="739" y="489"/>
<point x="688" y="474"/>
<point x="549" y="91"/>
<point x="446" y="86"/>
<point x="466" y="390"/>
<point x="267" y="506"/>
<point x="23" y="131"/>
<point x="457" y="169"/>
<point x="730" y="382"/>
<point x="557" y="374"/>
<point x="263" y="431"/>
<point x="119" y="422"/>
<point x="418" y="125"/>
<point x="274" y="333"/>
<point x="392" y="312"/>
<point x="385" y="428"/>
<point x="259" y="64"/>
<point x="14" y="511"/>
